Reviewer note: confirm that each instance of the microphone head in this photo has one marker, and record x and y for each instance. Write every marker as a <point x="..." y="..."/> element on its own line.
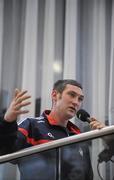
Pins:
<point x="83" y="115"/>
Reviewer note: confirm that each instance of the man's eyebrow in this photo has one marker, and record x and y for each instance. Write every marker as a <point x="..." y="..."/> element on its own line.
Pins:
<point x="81" y="95"/>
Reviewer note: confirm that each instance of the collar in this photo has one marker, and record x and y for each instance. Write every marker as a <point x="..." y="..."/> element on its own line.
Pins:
<point x="70" y="126"/>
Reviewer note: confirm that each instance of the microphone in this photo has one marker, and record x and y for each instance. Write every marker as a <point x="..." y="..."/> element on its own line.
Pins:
<point x="83" y="115"/>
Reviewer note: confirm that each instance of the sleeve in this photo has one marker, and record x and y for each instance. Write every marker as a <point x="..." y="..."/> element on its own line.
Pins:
<point x="11" y="138"/>
<point x="8" y="134"/>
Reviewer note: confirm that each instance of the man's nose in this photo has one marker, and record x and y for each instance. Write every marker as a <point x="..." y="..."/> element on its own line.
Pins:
<point x="76" y="101"/>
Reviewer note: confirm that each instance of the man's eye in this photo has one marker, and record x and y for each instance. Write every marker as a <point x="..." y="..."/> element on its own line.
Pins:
<point x="80" y="99"/>
<point x="72" y="94"/>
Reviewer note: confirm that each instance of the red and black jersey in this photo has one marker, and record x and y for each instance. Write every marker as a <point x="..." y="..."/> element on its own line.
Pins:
<point x="44" y="129"/>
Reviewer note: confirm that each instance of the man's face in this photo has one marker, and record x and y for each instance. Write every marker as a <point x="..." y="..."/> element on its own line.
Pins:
<point x="69" y="101"/>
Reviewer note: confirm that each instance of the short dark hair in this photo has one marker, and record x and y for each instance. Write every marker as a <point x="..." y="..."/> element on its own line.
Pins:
<point x="60" y="85"/>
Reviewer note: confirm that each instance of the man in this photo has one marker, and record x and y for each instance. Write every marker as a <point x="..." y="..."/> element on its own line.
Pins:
<point x="67" y="97"/>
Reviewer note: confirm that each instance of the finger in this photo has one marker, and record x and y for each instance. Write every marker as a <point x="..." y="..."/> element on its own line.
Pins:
<point x="95" y="127"/>
<point x="22" y="112"/>
<point x="93" y="119"/>
<point x="100" y="126"/>
<point x="21" y="93"/>
<point x="16" y="92"/>
<point x="25" y="104"/>
<point x="93" y="123"/>
<point x="20" y="105"/>
<point x="22" y="99"/>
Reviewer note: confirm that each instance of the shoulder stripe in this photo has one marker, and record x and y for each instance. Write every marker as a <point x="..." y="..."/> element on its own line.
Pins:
<point x="32" y="141"/>
<point x="23" y="131"/>
<point x="36" y="142"/>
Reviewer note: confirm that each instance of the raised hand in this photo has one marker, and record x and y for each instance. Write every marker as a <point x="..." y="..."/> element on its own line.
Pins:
<point x="21" y="99"/>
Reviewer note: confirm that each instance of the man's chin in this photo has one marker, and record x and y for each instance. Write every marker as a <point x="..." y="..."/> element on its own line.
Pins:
<point x="71" y="115"/>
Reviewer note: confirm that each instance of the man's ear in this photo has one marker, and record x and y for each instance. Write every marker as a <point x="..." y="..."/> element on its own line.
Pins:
<point x="54" y="95"/>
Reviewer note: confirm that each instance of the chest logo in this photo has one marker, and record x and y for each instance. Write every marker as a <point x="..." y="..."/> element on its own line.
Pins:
<point x="50" y="135"/>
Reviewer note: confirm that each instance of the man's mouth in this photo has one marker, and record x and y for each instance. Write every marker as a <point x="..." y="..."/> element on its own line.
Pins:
<point x="72" y="108"/>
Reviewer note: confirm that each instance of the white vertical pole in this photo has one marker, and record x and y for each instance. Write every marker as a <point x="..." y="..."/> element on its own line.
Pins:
<point x="30" y="51"/>
<point x="98" y="75"/>
<point x="48" y="54"/>
<point x="70" y="40"/>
